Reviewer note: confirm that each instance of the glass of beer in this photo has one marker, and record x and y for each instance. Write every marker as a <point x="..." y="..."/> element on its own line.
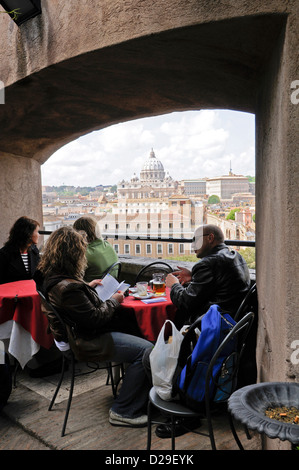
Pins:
<point x="159" y="285"/>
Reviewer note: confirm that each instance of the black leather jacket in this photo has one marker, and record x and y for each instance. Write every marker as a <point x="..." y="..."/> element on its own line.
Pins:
<point x="221" y="278"/>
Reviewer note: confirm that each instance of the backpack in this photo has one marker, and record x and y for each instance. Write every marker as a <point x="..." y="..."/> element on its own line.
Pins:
<point x="195" y="356"/>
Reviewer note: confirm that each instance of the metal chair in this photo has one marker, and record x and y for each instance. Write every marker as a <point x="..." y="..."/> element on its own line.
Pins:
<point x="248" y="367"/>
<point x="146" y="273"/>
<point x="248" y="303"/>
<point x="68" y="358"/>
<point x="114" y="270"/>
<point x="176" y="410"/>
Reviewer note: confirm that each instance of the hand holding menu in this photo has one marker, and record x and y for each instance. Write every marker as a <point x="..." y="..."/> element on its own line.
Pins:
<point x="109" y="286"/>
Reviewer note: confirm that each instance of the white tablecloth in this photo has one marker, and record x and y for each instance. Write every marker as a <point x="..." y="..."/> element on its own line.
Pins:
<point x="21" y="345"/>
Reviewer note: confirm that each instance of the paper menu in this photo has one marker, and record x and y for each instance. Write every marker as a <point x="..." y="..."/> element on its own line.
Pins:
<point x="109" y="286"/>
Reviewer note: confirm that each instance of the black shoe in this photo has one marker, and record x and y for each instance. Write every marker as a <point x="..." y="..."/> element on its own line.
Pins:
<point x="182" y="426"/>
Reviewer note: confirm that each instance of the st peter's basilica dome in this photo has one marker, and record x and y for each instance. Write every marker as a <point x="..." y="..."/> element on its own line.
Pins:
<point x="152" y="169"/>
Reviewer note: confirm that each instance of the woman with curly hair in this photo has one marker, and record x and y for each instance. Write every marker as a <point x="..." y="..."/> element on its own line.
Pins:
<point x="19" y="256"/>
<point x="63" y="265"/>
<point x="99" y="253"/>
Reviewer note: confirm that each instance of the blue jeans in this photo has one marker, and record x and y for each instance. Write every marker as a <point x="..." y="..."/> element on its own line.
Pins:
<point x="133" y="397"/>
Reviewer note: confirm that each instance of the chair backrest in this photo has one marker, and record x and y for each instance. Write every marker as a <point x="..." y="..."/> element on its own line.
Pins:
<point x="249" y="303"/>
<point x="146" y="273"/>
<point x="226" y="381"/>
<point x="52" y="312"/>
<point x="114" y="270"/>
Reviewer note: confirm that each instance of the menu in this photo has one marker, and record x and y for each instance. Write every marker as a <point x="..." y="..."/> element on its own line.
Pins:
<point x="109" y="286"/>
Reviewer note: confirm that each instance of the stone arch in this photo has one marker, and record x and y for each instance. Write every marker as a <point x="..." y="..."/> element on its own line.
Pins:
<point x="68" y="72"/>
<point x="72" y="84"/>
<point x="189" y="67"/>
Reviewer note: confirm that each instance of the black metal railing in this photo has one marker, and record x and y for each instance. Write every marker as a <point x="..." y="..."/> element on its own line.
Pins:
<point x="162" y="239"/>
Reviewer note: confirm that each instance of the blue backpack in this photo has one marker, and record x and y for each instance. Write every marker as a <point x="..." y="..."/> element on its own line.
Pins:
<point x="196" y="354"/>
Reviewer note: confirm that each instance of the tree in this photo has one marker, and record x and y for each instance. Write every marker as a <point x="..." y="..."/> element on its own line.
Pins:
<point x="231" y="215"/>
<point x="213" y="199"/>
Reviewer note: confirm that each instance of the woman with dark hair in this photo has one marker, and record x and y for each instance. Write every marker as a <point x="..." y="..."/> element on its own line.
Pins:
<point x="19" y="256"/>
<point x="99" y="253"/>
<point x="63" y="266"/>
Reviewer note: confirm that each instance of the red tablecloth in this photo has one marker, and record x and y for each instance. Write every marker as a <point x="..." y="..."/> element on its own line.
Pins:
<point x="20" y="302"/>
<point x="150" y="317"/>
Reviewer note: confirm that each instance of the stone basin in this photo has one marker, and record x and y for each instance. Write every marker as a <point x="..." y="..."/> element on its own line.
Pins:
<point x="249" y="403"/>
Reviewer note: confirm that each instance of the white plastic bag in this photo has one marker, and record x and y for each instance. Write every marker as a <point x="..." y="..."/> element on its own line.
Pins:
<point x="163" y="360"/>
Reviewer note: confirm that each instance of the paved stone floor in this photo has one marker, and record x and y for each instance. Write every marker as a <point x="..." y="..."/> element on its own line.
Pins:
<point x="26" y="423"/>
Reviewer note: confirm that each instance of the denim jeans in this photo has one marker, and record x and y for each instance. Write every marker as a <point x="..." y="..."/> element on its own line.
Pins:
<point x="133" y="396"/>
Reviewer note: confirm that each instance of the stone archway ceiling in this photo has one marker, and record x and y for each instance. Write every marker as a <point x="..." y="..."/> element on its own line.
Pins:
<point x="214" y="65"/>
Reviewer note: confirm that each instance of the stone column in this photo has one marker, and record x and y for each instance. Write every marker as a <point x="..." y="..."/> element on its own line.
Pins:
<point x="277" y="215"/>
<point x="20" y="191"/>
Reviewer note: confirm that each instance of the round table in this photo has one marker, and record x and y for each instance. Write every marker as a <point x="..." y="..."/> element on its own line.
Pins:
<point x="150" y="314"/>
<point x="22" y="321"/>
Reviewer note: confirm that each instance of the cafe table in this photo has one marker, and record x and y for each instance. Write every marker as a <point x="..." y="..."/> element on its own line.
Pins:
<point x="151" y="313"/>
<point x="22" y="323"/>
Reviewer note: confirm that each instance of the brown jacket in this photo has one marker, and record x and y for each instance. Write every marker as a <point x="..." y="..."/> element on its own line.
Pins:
<point x="79" y="304"/>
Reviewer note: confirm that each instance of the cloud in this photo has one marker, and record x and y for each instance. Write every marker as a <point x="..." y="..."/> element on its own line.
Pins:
<point x="189" y="145"/>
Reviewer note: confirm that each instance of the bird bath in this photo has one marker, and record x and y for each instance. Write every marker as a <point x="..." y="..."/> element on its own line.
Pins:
<point x="248" y="405"/>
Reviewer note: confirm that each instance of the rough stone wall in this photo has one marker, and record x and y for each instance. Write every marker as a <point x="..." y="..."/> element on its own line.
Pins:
<point x="66" y="29"/>
<point x="277" y="212"/>
<point x="73" y="70"/>
<point x="20" y="191"/>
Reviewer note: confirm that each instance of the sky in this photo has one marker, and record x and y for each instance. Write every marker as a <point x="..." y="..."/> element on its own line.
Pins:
<point x="191" y="144"/>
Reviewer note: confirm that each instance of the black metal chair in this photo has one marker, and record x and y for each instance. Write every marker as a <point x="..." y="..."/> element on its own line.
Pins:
<point x="146" y="273"/>
<point x="68" y="358"/>
<point x="249" y="303"/>
<point x="248" y="367"/>
<point x="176" y="410"/>
<point x="114" y="270"/>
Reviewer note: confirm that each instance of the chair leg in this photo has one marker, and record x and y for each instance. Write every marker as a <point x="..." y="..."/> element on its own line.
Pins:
<point x="110" y="372"/>
<point x="172" y="432"/>
<point x="59" y="383"/>
<point x="114" y="383"/>
<point x="70" y="395"/>
<point x="210" y="426"/>
<point x="233" y="430"/>
<point x="149" y="425"/>
<point x="247" y="433"/>
<point x="16" y="368"/>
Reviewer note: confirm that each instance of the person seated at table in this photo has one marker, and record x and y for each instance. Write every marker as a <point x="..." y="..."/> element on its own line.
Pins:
<point x="99" y="253"/>
<point x="63" y="265"/>
<point x="221" y="277"/>
<point x="19" y="256"/>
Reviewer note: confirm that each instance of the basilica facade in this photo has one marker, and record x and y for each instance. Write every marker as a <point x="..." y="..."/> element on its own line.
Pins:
<point x="152" y="183"/>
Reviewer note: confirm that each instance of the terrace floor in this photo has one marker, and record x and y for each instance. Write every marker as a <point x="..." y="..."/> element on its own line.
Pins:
<point x="26" y="423"/>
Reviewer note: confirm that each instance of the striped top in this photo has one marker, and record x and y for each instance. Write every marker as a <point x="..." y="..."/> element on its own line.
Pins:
<point x="25" y="261"/>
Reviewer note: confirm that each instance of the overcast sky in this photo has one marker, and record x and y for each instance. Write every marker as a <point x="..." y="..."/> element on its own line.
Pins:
<point x="192" y="144"/>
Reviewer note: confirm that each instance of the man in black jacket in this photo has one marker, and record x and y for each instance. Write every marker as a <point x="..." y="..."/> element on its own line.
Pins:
<point x="221" y="277"/>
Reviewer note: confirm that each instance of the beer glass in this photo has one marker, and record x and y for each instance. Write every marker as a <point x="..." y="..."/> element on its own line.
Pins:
<point x="159" y="285"/>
